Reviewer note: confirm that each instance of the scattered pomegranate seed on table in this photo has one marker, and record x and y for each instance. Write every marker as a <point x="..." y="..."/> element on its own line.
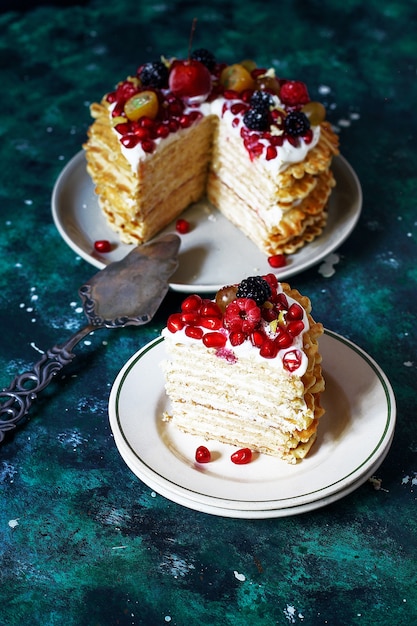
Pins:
<point x="102" y="245"/>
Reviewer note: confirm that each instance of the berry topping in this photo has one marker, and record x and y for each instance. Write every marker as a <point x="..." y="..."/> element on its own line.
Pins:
<point x="261" y="100"/>
<point x="293" y="93"/>
<point x="256" y="119"/>
<point x="202" y="455"/>
<point x="296" y="124"/>
<point x="154" y="74"/>
<point x="205" y="57"/>
<point x="254" y="287"/>
<point x="242" y="456"/>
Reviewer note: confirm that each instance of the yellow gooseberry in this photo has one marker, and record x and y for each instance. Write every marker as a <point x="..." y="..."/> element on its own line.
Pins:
<point x="236" y="78"/>
<point x="144" y="103"/>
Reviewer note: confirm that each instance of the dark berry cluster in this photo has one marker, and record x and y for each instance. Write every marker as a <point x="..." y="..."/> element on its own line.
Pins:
<point x="257" y="117"/>
<point x="296" y="124"/>
<point x="205" y="57"/>
<point x="154" y="74"/>
<point x="254" y="287"/>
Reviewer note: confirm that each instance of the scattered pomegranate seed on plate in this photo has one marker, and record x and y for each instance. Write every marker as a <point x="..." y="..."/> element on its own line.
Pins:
<point x="202" y="455"/>
<point x="277" y="260"/>
<point x="102" y="245"/>
<point x="182" y="226"/>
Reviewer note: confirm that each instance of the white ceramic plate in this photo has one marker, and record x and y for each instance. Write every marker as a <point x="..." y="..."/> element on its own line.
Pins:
<point x="354" y="436"/>
<point x="214" y="253"/>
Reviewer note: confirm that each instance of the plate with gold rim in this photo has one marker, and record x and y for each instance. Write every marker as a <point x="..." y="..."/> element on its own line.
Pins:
<point x="354" y="437"/>
<point x="214" y="253"/>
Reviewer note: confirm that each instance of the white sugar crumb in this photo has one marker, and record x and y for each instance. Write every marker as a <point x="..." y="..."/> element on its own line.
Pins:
<point x="324" y="90"/>
<point x="13" y="523"/>
<point x="326" y="269"/>
<point x="238" y="576"/>
<point x="291" y="614"/>
<point x="408" y="363"/>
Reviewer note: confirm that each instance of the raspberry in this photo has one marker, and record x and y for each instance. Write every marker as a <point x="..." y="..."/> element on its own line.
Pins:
<point x="242" y="315"/>
<point x="154" y="74"/>
<point x="205" y="57"/>
<point x="256" y="119"/>
<point x="294" y="92"/>
<point x="296" y="124"/>
<point x="254" y="287"/>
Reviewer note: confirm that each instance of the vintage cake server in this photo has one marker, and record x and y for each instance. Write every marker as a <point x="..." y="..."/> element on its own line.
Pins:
<point x="125" y="293"/>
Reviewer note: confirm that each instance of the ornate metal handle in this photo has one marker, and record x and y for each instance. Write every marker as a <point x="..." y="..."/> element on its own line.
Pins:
<point x="16" y="400"/>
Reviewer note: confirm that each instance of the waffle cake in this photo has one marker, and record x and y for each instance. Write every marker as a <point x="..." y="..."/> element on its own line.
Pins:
<point x="245" y="368"/>
<point x="178" y="130"/>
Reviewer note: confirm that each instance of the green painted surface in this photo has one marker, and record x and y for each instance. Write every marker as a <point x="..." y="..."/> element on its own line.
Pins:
<point x="83" y="541"/>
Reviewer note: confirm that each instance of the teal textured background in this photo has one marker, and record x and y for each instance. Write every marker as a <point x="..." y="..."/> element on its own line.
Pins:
<point x="83" y="541"/>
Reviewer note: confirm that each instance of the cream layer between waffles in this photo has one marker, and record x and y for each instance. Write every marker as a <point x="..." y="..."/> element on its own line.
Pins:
<point x="245" y="369"/>
<point x="254" y="144"/>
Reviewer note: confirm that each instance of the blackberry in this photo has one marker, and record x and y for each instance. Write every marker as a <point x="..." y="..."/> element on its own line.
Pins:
<point x="154" y="74"/>
<point x="296" y="124"/>
<point x="205" y="57"/>
<point x="256" y="119"/>
<point x="254" y="287"/>
<point x="261" y="100"/>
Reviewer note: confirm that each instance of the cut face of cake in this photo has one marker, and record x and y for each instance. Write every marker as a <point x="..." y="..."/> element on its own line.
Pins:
<point x="254" y="144"/>
<point x="245" y="368"/>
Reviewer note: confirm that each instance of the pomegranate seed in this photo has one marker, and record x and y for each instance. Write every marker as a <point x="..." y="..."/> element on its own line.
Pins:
<point x="175" y="323"/>
<point x="192" y="318"/>
<point x="258" y="338"/>
<point x="182" y="226"/>
<point x="211" y="323"/>
<point x="102" y="245"/>
<point x="162" y="131"/>
<point x="272" y="280"/>
<point x="281" y="302"/>
<point x="175" y="108"/>
<point x="122" y="128"/>
<point x="237" y="338"/>
<point x="210" y="309"/>
<point x="269" y="349"/>
<point x="242" y="456"/>
<point x="238" y="107"/>
<point x="148" y="145"/>
<point x="191" y="303"/>
<point x="235" y="122"/>
<point x="129" y="140"/>
<point x="202" y="455"/>
<point x="214" y="340"/>
<point x="194" y="332"/>
<point x="269" y="314"/>
<point x="230" y="94"/>
<point x="308" y="137"/>
<point x="292" y="360"/>
<point x="283" y="339"/>
<point x="295" y="328"/>
<point x="142" y="133"/>
<point x="185" y="121"/>
<point x="295" y="312"/>
<point x="277" y="260"/>
<point x="271" y="153"/>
